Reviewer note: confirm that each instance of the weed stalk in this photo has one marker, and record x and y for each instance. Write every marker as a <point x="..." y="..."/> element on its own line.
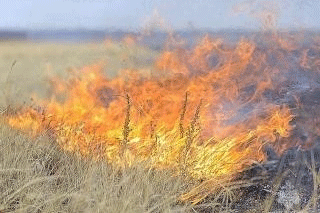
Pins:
<point x="183" y="112"/>
<point x="191" y="135"/>
<point x="126" y="131"/>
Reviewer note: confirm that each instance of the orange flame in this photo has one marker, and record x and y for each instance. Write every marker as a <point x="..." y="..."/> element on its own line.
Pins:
<point x="189" y="119"/>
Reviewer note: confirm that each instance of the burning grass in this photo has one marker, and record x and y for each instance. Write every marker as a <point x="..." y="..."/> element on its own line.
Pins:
<point x="37" y="176"/>
<point x="37" y="63"/>
<point x="203" y="113"/>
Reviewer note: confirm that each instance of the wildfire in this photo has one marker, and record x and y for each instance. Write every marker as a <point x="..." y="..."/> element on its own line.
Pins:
<point x="207" y="120"/>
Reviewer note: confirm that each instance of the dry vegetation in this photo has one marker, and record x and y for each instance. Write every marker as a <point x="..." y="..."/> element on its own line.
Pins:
<point x="36" y="175"/>
<point x="33" y="64"/>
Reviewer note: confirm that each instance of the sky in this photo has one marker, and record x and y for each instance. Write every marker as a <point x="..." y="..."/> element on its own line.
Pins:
<point x="176" y="14"/>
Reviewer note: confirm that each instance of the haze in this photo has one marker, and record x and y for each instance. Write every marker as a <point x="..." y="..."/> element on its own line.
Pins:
<point x="179" y="14"/>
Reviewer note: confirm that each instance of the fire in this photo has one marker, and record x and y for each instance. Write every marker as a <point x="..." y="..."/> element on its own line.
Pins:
<point x="207" y="120"/>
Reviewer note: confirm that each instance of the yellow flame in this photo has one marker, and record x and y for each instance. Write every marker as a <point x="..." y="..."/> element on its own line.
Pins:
<point x="177" y="121"/>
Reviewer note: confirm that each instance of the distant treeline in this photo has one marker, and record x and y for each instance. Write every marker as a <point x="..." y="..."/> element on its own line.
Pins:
<point x="62" y="35"/>
<point x="13" y="35"/>
<point x="154" y="40"/>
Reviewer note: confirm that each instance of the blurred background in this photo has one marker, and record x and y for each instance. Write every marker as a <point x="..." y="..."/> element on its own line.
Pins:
<point x="94" y="19"/>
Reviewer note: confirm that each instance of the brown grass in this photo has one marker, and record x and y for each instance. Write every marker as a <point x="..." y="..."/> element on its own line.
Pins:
<point x="37" y="176"/>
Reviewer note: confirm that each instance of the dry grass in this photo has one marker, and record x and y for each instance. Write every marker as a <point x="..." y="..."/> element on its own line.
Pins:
<point x="36" y="176"/>
<point x="34" y="63"/>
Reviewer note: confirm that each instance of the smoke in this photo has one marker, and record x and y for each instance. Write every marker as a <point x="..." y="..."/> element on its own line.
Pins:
<point x="155" y="22"/>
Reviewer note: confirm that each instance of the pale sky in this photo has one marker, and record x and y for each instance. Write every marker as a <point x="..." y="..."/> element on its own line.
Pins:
<point x="132" y="14"/>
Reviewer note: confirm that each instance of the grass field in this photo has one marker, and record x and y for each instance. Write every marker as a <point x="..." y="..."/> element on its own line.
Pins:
<point x="36" y="175"/>
<point x="26" y="67"/>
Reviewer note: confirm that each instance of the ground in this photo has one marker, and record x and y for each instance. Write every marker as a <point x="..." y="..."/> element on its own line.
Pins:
<point x="37" y="176"/>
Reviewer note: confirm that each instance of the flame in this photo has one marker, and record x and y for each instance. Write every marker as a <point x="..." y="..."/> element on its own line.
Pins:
<point x="193" y="117"/>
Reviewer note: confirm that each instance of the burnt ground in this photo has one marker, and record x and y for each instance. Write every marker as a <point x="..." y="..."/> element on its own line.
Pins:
<point x="286" y="182"/>
<point x="281" y="184"/>
<point x="287" y="185"/>
<point x="290" y="179"/>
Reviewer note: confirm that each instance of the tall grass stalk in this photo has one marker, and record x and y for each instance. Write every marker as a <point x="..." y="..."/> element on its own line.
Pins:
<point x="125" y="132"/>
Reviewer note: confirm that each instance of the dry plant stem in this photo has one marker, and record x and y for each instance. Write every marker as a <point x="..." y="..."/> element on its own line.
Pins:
<point x="160" y="204"/>
<point x="313" y="199"/>
<point x="183" y="112"/>
<point x="315" y="184"/>
<point x="190" y="138"/>
<point x="13" y="170"/>
<point x="192" y="129"/>
<point x="35" y="181"/>
<point x="277" y="182"/>
<point x="126" y="131"/>
<point x="214" y="187"/>
<point x="60" y="197"/>
<point x="154" y="138"/>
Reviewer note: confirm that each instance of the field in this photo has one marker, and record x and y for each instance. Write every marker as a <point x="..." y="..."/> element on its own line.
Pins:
<point x="37" y="174"/>
<point x="26" y="67"/>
